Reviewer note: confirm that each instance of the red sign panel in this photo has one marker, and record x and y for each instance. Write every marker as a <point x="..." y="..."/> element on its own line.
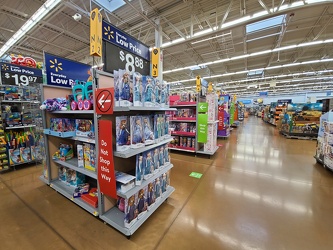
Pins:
<point x="104" y="101"/>
<point x="220" y="116"/>
<point x="106" y="175"/>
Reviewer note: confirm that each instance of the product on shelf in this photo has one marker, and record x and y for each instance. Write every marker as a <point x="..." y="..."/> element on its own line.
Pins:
<point x="85" y="128"/>
<point x="131" y="213"/>
<point x="54" y="104"/>
<point x="126" y="89"/>
<point x="151" y="194"/>
<point x="137" y="89"/>
<point x="123" y="136"/>
<point x="142" y="204"/>
<point x="157" y="93"/>
<point x="25" y="154"/>
<point x="80" y="156"/>
<point x="148" y="130"/>
<point x="157" y="188"/>
<point x="91" y="198"/>
<point x="64" y="153"/>
<point x="116" y="88"/>
<point x="81" y="189"/>
<point x="148" y="91"/>
<point x="62" y="124"/>
<point x="137" y="137"/>
<point x="62" y="174"/>
<point x="74" y="178"/>
<point x="139" y="170"/>
<point x="89" y="156"/>
<point x="125" y="181"/>
<point x="148" y="164"/>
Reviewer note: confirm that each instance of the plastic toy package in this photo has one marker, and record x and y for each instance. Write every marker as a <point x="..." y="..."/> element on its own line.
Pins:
<point x="89" y="156"/>
<point x="142" y="204"/>
<point x="156" y="161"/>
<point x="116" y="88"/>
<point x="62" y="124"/>
<point x="139" y="170"/>
<point x="131" y="212"/>
<point x="148" y="130"/>
<point x="166" y="155"/>
<point x="123" y="136"/>
<point x="85" y="128"/>
<point x="125" y="89"/>
<point x="137" y="137"/>
<point x="151" y="194"/>
<point x="64" y="153"/>
<point x="148" y="95"/>
<point x="62" y="174"/>
<point x="161" y="158"/>
<point x="137" y="89"/>
<point x="74" y="178"/>
<point x="148" y="164"/>
<point x="80" y="159"/>
<point x="158" y="189"/>
<point x="157" y="93"/>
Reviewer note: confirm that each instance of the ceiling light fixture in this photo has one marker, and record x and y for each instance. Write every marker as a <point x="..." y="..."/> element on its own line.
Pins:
<point x="28" y="25"/>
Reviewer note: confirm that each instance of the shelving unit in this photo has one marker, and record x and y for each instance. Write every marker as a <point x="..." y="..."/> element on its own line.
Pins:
<point x="123" y="161"/>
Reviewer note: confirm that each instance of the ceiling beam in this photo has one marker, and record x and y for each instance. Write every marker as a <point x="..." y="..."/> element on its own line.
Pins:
<point x="264" y="6"/>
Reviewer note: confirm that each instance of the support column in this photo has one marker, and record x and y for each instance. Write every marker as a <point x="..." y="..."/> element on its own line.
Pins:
<point x="158" y="43"/>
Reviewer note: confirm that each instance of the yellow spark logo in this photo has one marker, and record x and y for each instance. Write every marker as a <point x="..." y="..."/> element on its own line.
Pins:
<point x="108" y="32"/>
<point x="5" y="67"/>
<point x="55" y="64"/>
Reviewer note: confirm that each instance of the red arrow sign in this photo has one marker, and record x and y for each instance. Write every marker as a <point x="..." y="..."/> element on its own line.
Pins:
<point x="104" y="101"/>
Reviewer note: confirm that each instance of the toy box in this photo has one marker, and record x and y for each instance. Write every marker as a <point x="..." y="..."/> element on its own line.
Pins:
<point x="142" y="204"/>
<point x="164" y="182"/>
<point x="137" y="139"/>
<point x="157" y="93"/>
<point x="116" y="88"/>
<point x="81" y="189"/>
<point x="125" y="89"/>
<point x="131" y="213"/>
<point x="167" y="133"/>
<point x="74" y="178"/>
<point x="91" y="198"/>
<point x="80" y="159"/>
<point x="124" y="182"/>
<point x="62" y="174"/>
<point x="166" y="155"/>
<point x="13" y="119"/>
<point x="27" y="118"/>
<point x="161" y="156"/>
<point x="139" y="169"/>
<point x="150" y="194"/>
<point x="14" y="156"/>
<point x="89" y="162"/>
<point x="25" y="154"/>
<point x="92" y="158"/>
<point x="64" y="153"/>
<point x="137" y="89"/>
<point x="123" y="136"/>
<point x="158" y="189"/>
<point x="155" y="156"/>
<point x="62" y="124"/>
<point x="156" y="126"/>
<point x="148" y="91"/>
<point x="85" y="128"/>
<point x="148" y="164"/>
<point x="164" y="95"/>
<point x="148" y="130"/>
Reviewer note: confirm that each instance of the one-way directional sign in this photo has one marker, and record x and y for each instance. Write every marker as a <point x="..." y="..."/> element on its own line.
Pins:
<point x="104" y="101"/>
<point x="203" y="107"/>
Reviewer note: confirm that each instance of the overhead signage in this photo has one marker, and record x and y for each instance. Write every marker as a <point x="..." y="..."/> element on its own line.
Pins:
<point x="115" y="58"/>
<point x="106" y="174"/>
<point x="202" y="128"/>
<point x="265" y="93"/>
<point x="19" y="75"/>
<point x="123" y="40"/>
<point x="104" y="101"/>
<point x="284" y="101"/>
<point x="198" y="83"/>
<point x="95" y="33"/>
<point x="63" y="72"/>
<point x="155" y="61"/>
<point x="246" y="101"/>
<point x="203" y="107"/>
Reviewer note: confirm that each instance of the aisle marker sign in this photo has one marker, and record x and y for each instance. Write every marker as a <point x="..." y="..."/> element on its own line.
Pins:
<point x="106" y="173"/>
<point x="155" y="59"/>
<point x="95" y="33"/>
<point x="198" y="83"/>
<point x="104" y="101"/>
<point x="202" y="127"/>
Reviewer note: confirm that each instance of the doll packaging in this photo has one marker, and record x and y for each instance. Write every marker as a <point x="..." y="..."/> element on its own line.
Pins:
<point x="158" y="189"/>
<point x="166" y="155"/>
<point x="148" y="164"/>
<point x="142" y="204"/>
<point x="139" y="170"/>
<point x="131" y="212"/>
<point x="151" y="194"/>
<point x="80" y="160"/>
<point x="137" y="138"/>
<point x="74" y="178"/>
<point x="148" y="130"/>
<point x="123" y="137"/>
<point x="148" y="96"/>
<point x="137" y="89"/>
<point x="116" y="88"/>
<point x="157" y="93"/>
<point x="125" y="89"/>
<point x="156" y="162"/>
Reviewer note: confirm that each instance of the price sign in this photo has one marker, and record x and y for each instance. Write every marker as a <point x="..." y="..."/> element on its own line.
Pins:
<point x="118" y="58"/>
<point x="19" y="75"/>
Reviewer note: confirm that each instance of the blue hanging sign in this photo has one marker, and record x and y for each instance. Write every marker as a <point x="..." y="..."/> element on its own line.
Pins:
<point x="119" y="38"/>
<point x="12" y="74"/>
<point x="263" y="93"/>
<point x="63" y="72"/>
<point x="246" y="101"/>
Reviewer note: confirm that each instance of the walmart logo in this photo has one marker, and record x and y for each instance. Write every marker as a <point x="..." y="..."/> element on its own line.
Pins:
<point x="108" y="32"/>
<point x="5" y="67"/>
<point x="55" y="64"/>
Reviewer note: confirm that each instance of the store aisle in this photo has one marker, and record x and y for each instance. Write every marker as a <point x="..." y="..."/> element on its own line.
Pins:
<point x="260" y="191"/>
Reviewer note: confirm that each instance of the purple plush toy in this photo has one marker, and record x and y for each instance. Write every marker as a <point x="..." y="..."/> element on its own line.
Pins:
<point x="54" y="104"/>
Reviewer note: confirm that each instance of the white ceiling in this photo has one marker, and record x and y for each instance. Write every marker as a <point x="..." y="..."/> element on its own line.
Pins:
<point x="306" y="21"/>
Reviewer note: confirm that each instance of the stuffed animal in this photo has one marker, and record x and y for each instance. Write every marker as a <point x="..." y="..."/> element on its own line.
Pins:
<point x="54" y="104"/>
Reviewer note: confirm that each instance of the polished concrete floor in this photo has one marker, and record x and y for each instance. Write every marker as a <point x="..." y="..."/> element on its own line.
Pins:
<point x="260" y="191"/>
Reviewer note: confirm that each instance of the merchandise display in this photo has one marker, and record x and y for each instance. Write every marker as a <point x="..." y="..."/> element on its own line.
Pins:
<point x="223" y="115"/>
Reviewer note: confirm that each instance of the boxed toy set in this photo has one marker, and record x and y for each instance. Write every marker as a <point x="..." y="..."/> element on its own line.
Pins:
<point x="157" y="93"/>
<point x="131" y="212"/>
<point x="123" y="135"/>
<point x="74" y="178"/>
<point x="148" y="96"/>
<point x="142" y="204"/>
<point x="85" y="128"/>
<point x="139" y="170"/>
<point x="137" y="89"/>
<point x="148" y="130"/>
<point x="64" y="153"/>
<point x="91" y="198"/>
<point x="62" y="125"/>
<point x="80" y="157"/>
<point x="89" y="156"/>
<point x="137" y="136"/>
